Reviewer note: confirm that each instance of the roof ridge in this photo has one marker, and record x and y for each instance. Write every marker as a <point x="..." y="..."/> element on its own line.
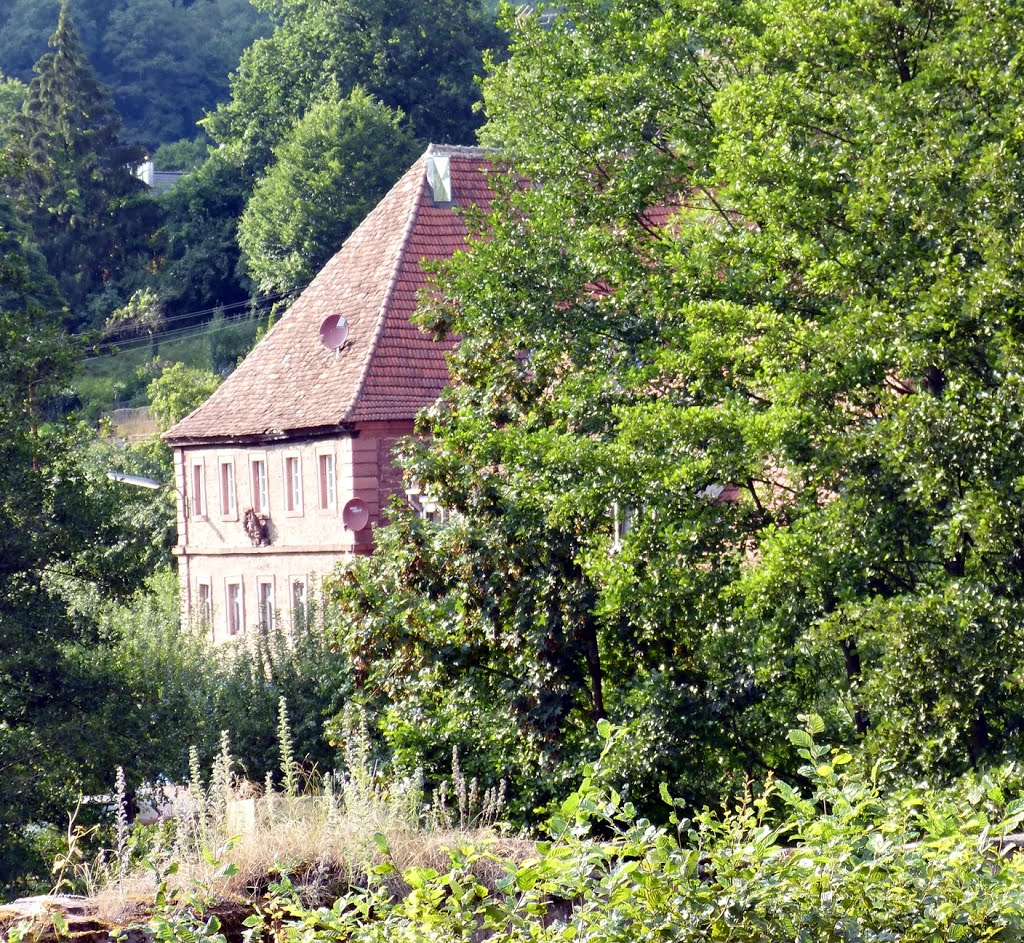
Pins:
<point x="459" y="150"/>
<point x="382" y="311"/>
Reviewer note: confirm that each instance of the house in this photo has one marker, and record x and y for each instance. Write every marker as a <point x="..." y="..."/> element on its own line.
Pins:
<point x="285" y="470"/>
<point x="157" y="179"/>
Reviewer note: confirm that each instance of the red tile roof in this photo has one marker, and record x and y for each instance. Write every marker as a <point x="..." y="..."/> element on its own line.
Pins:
<point x="290" y="384"/>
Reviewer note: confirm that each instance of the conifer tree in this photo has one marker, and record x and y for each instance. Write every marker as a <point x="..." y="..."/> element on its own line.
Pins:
<point x="72" y="180"/>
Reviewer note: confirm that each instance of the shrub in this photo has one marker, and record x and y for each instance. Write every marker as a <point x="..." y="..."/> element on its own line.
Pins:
<point x="841" y="862"/>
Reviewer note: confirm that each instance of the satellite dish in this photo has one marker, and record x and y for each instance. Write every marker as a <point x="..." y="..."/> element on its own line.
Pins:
<point x="355" y="514"/>
<point x="334" y="331"/>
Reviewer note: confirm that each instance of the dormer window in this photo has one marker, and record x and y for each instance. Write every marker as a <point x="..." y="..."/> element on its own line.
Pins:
<point x="439" y="176"/>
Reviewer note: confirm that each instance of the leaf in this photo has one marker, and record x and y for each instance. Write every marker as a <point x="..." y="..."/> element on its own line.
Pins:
<point x="60" y="922"/>
<point x="801" y="738"/>
<point x="227" y="870"/>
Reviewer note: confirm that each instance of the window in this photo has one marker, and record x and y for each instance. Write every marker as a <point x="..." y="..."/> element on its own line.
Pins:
<point x="265" y="593"/>
<point x="623" y="516"/>
<point x="325" y="464"/>
<point x="425" y="506"/>
<point x="228" y="500"/>
<point x="293" y="484"/>
<point x="198" y="484"/>
<point x="260" y="490"/>
<point x="299" y="610"/>
<point x="204" y="608"/>
<point x="236" y="614"/>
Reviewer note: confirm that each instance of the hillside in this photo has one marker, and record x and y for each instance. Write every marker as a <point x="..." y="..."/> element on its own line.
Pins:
<point x="166" y="62"/>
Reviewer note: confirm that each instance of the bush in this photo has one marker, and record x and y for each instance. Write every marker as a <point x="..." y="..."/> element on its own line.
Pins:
<point x="842" y="862"/>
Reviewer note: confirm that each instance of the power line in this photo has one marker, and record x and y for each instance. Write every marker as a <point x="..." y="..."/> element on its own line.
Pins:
<point x="228" y="307"/>
<point x="134" y="344"/>
<point x="141" y="343"/>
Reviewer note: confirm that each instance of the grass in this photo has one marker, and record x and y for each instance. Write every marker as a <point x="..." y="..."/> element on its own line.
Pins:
<point x="230" y="839"/>
<point x="111" y="380"/>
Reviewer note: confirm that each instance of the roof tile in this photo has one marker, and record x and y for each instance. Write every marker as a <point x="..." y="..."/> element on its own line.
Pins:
<point x="388" y="368"/>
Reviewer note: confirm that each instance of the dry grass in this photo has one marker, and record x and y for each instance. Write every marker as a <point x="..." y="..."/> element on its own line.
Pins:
<point x="230" y="840"/>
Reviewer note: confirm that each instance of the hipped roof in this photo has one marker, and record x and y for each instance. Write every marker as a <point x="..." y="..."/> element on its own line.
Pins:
<point x="291" y="385"/>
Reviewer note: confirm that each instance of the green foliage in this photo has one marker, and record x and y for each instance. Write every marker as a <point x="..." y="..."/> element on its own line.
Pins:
<point x="72" y="180"/>
<point x="183" y="154"/>
<point x="178" y="391"/>
<point x="148" y="681"/>
<point x="166" y="62"/>
<point x="418" y="58"/>
<point x="760" y="254"/>
<point x="289" y="776"/>
<point x="229" y="339"/>
<point x="253" y="679"/>
<point x="200" y="267"/>
<point x="331" y="169"/>
<point x="63" y="524"/>
<point x="13" y="94"/>
<point x="486" y="667"/>
<point x="842" y="861"/>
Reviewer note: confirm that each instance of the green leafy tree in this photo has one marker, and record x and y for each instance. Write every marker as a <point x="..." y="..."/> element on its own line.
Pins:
<point x="768" y="248"/>
<point x="29" y="24"/>
<point x="73" y="183"/>
<point x="341" y="157"/>
<point x="201" y="265"/>
<point x="12" y="97"/>
<point x="177" y="391"/>
<point x="167" y="63"/>
<point x="419" y="58"/>
<point x="184" y="154"/>
<point x="63" y="524"/>
<point x="143" y="315"/>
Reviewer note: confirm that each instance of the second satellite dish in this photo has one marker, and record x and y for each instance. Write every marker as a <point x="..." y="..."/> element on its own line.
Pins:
<point x="355" y="514"/>
<point x="334" y="331"/>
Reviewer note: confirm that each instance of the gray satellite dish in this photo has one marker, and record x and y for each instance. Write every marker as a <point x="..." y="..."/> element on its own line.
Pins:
<point x="355" y="514"/>
<point x="334" y="331"/>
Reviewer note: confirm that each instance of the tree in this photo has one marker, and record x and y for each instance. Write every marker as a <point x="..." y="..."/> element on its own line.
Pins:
<point x="178" y="391"/>
<point x="341" y="157"/>
<point x="169" y="63"/>
<point x="28" y="26"/>
<point x="166" y="63"/>
<point x="184" y="154"/>
<point x="768" y="248"/>
<point x="62" y="522"/>
<point x="88" y="213"/>
<point x="201" y="260"/>
<point x="12" y="96"/>
<point x="418" y="58"/>
<point x="142" y="315"/>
